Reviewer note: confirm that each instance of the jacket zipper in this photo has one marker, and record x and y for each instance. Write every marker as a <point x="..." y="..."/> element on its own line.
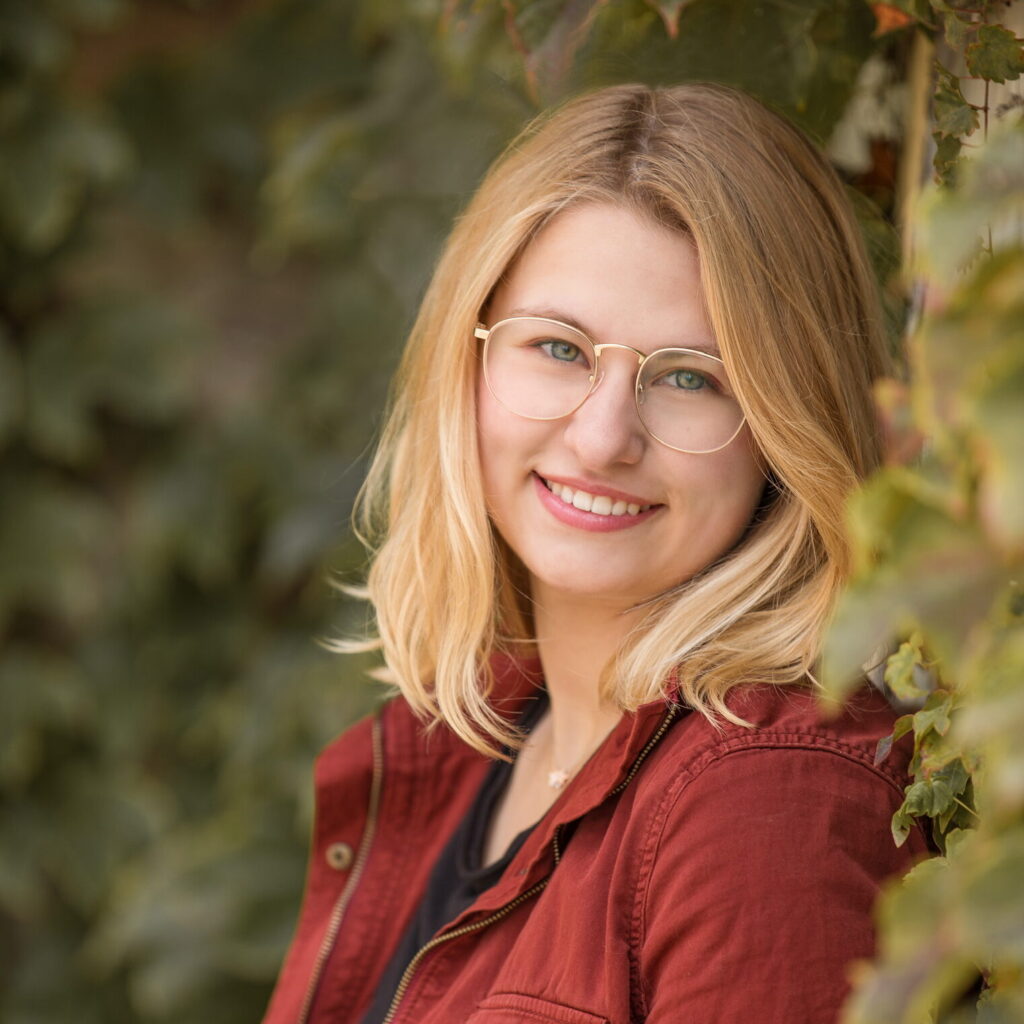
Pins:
<point x="403" y="984"/>
<point x="340" y="905"/>
<point x="501" y="912"/>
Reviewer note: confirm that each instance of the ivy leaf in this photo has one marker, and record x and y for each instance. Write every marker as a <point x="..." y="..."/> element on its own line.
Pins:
<point x="954" y="775"/>
<point x="889" y="18"/>
<point x="903" y="725"/>
<point x="549" y="62"/>
<point x="953" y="114"/>
<point x="934" y="715"/>
<point x="895" y="15"/>
<point x="996" y="55"/>
<point x="928" y="797"/>
<point x="952" y="222"/>
<point x="899" y="670"/>
<point x="992" y="905"/>
<point x="956" y="29"/>
<point x="999" y="416"/>
<point x="947" y="151"/>
<point x="670" y="11"/>
<point x="902" y="823"/>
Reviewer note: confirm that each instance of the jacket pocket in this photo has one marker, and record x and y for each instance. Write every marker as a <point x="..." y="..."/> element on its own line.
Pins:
<point x="513" y="1008"/>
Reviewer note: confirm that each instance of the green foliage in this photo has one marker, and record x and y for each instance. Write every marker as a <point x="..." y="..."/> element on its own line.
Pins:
<point x="995" y="54"/>
<point x="209" y="256"/>
<point x="953" y="114"/>
<point x="940" y="546"/>
<point x="215" y="227"/>
<point x="188" y="384"/>
<point x="802" y="58"/>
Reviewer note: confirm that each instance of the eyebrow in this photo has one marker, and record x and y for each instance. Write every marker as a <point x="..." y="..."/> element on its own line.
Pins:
<point x="550" y="313"/>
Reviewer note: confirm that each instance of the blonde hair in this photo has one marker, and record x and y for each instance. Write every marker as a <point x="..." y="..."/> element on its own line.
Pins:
<point x="793" y="305"/>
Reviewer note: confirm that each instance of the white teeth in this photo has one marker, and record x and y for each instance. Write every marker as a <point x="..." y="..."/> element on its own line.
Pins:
<point x="599" y="504"/>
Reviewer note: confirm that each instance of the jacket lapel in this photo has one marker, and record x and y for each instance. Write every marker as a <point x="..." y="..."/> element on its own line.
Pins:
<point x="605" y="771"/>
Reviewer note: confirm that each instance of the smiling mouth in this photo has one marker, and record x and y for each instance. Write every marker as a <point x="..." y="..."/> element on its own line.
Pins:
<point x="598" y="504"/>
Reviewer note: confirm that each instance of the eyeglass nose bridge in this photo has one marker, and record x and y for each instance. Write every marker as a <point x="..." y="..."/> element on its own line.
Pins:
<point x="598" y="375"/>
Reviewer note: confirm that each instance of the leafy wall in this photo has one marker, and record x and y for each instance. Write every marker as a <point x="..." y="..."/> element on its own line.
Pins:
<point x="216" y="219"/>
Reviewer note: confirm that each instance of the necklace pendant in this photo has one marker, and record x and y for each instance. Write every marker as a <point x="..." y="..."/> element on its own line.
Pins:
<point x="558" y="778"/>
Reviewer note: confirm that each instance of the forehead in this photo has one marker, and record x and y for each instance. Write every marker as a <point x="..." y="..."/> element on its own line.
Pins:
<point x="617" y="275"/>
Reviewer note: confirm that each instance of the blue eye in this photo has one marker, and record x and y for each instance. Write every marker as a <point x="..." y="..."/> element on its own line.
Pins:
<point x="563" y="351"/>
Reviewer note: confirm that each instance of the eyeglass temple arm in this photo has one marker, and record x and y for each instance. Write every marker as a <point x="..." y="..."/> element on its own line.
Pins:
<point x="481" y="332"/>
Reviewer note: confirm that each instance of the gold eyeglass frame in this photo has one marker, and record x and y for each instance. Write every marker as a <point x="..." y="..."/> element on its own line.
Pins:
<point x="483" y="333"/>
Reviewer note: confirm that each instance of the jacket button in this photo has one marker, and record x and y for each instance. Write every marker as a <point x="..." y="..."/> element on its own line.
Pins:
<point x="339" y="856"/>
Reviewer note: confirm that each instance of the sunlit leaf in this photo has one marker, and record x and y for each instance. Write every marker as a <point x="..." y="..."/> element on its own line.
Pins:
<point x="900" y="670"/>
<point x="999" y="418"/>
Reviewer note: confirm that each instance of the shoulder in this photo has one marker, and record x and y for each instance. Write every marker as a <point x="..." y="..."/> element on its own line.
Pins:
<point x="395" y="735"/>
<point x="798" y="769"/>
<point x="787" y="720"/>
<point x="766" y="838"/>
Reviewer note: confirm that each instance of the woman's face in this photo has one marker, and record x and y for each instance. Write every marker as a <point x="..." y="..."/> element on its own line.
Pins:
<point x="627" y="281"/>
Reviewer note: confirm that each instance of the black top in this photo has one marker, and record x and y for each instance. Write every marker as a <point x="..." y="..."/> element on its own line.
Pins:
<point x="457" y="878"/>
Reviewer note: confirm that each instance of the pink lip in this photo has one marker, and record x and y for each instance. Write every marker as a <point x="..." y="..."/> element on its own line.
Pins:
<point x="572" y="516"/>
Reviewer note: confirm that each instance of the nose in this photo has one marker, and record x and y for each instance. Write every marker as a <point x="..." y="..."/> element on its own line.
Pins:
<point x="606" y="430"/>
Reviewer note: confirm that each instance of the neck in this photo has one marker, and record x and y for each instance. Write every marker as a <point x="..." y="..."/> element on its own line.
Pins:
<point x="575" y="640"/>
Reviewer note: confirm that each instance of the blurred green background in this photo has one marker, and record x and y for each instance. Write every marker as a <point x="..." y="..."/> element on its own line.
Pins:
<point x="216" y="221"/>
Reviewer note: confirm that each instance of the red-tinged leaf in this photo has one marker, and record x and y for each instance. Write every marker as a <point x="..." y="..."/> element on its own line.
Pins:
<point x="889" y="18"/>
<point x="669" y="10"/>
<point x="549" y="63"/>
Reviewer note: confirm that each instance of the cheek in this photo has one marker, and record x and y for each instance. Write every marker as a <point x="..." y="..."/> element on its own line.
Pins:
<point x="731" y="485"/>
<point x="743" y="480"/>
<point x="503" y="445"/>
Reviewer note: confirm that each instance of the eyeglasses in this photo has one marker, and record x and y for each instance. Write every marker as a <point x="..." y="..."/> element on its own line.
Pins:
<point x="542" y="369"/>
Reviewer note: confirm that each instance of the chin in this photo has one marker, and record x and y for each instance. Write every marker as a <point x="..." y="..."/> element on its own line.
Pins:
<point x="624" y="592"/>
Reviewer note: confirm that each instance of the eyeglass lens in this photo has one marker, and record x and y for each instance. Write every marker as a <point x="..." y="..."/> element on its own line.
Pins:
<point x="543" y="370"/>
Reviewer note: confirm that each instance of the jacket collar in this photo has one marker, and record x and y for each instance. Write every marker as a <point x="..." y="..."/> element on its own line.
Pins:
<point x="517" y="680"/>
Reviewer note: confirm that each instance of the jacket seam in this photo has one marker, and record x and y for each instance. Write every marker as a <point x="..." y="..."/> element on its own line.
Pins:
<point x="678" y="785"/>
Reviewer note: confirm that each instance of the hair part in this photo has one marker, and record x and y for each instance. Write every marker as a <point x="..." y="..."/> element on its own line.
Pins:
<point x="793" y="304"/>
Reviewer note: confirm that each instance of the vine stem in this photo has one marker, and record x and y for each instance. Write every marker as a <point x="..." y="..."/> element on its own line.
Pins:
<point x="985" y="135"/>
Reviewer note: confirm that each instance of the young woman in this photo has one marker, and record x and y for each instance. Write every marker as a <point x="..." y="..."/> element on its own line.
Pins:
<point x="607" y="514"/>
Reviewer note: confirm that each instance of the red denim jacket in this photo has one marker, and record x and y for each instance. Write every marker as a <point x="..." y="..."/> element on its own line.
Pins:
<point x="685" y="874"/>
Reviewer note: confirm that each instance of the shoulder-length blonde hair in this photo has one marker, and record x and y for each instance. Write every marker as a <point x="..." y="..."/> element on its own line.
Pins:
<point x="793" y="304"/>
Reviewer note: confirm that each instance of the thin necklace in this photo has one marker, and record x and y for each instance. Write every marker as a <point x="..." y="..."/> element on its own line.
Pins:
<point x="558" y="778"/>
